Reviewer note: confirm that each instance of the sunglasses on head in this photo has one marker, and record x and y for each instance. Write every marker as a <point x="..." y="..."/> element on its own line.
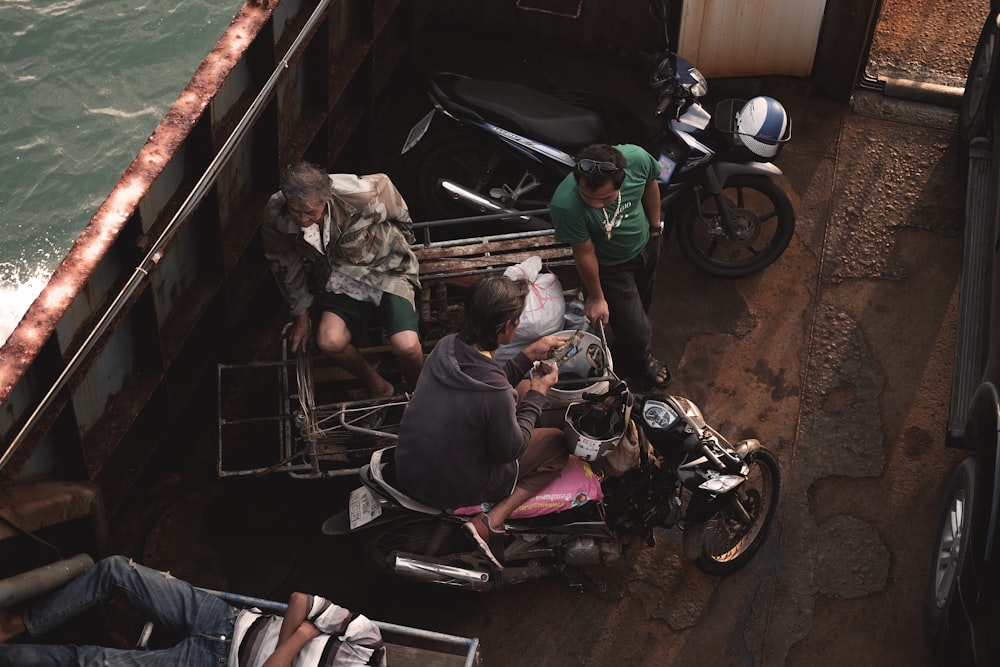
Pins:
<point x="586" y="166"/>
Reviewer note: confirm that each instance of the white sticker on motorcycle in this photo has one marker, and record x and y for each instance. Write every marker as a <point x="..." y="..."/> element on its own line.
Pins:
<point x="363" y="507"/>
<point x="666" y="168"/>
<point x="587" y="448"/>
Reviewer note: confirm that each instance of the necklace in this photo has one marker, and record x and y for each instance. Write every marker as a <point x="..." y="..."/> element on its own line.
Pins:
<point x="613" y="221"/>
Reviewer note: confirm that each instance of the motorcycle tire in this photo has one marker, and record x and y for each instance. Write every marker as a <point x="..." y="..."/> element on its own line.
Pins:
<point x="944" y="612"/>
<point x="426" y="537"/>
<point x="763" y="214"/>
<point x="479" y="167"/>
<point x="726" y="543"/>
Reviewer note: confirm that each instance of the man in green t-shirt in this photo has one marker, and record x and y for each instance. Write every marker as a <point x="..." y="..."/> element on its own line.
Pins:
<point x="608" y="209"/>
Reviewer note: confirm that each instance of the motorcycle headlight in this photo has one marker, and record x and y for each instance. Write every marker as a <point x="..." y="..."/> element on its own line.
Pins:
<point x="699" y="88"/>
<point x="721" y="483"/>
<point x="659" y="415"/>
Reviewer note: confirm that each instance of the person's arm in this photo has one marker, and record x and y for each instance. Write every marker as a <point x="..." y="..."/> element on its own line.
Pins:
<point x="543" y="348"/>
<point x="386" y="195"/>
<point x="651" y="205"/>
<point x="596" y="307"/>
<point x="295" y="631"/>
<point x="541" y="381"/>
<point x="300" y="333"/>
<point x="289" y="274"/>
<point x="298" y="608"/>
<point x="288" y="648"/>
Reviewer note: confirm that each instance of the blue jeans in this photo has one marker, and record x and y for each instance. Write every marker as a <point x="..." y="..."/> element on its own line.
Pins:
<point x="205" y="621"/>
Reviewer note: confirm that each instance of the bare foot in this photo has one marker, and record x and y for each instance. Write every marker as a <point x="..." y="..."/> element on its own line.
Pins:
<point x="11" y="625"/>
<point x="383" y="390"/>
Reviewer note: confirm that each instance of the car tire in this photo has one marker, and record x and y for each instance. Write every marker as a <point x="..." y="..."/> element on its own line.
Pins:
<point x="973" y="108"/>
<point x="943" y="606"/>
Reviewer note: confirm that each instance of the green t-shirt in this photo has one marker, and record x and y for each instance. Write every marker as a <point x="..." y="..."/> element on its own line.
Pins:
<point x="575" y="221"/>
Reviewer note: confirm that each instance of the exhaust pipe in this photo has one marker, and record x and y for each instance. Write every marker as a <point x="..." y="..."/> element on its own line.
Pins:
<point x="436" y="573"/>
<point x="479" y="202"/>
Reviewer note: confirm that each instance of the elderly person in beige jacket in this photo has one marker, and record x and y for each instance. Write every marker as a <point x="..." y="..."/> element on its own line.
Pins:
<point x="339" y="246"/>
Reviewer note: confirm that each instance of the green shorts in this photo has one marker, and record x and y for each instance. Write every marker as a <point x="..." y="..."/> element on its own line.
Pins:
<point x="397" y="313"/>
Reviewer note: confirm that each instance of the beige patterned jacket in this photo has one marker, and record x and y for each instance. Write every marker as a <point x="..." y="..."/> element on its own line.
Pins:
<point x="370" y="239"/>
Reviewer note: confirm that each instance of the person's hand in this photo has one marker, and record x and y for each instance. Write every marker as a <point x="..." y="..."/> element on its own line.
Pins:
<point x="298" y="335"/>
<point x="544" y="347"/>
<point x="307" y="630"/>
<point x="543" y="376"/>
<point x="596" y="310"/>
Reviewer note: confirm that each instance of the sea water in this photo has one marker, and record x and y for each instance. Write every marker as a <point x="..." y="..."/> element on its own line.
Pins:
<point x="83" y="83"/>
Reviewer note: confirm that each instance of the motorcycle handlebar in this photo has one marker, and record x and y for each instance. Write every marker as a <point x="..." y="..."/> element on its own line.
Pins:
<point x="583" y="382"/>
<point x="615" y="390"/>
<point x="665" y="101"/>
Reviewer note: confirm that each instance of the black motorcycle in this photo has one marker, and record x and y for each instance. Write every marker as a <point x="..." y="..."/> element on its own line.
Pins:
<point x="507" y="146"/>
<point x="679" y="472"/>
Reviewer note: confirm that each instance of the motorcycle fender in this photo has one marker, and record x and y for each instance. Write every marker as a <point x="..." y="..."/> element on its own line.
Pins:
<point x="340" y="523"/>
<point x="725" y="170"/>
<point x="745" y="448"/>
<point x="418" y="131"/>
<point x="702" y="508"/>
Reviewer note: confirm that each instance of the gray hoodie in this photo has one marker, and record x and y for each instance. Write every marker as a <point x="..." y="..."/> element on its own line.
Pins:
<point x="463" y="430"/>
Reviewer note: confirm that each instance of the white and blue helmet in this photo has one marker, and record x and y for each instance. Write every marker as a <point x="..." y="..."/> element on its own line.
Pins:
<point x="762" y="125"/>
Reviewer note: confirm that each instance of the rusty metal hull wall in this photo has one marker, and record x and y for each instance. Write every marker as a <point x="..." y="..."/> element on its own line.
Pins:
<point x="111" y="414"/>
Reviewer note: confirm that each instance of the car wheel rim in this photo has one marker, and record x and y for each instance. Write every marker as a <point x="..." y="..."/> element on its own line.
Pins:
<point x="950" y="549"/>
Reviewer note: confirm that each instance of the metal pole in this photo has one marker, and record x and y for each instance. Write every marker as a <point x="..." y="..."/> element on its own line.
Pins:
<point x="24" y="586"/>
<point x="506" y="215"/>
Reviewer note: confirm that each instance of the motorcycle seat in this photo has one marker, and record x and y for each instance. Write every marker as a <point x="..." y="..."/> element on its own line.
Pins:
<point x="382" y="469"/>
<point x="539" y="116"/>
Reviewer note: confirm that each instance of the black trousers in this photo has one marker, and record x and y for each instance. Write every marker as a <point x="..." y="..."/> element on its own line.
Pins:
<point x="628" y="289"/>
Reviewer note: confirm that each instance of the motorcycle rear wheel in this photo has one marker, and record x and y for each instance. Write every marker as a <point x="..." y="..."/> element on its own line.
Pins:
<point x="763" y="215"/>
<point x="727" y="543"/>
<point x="479" y="167"/>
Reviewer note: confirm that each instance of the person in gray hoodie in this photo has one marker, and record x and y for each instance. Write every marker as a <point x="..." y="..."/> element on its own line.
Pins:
<point x="468" y="435"/>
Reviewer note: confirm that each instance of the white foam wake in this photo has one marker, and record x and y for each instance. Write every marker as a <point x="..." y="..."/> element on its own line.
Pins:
<point x="15" y="298"/>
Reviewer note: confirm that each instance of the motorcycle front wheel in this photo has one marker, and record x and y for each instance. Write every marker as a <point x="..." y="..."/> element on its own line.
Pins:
<point x="729" y="539"/>
<point x="482" y="169"/>
<point x="763" y="218"/>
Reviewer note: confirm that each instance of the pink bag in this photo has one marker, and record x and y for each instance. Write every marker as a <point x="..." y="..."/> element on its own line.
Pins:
<point x="575" y="486"/>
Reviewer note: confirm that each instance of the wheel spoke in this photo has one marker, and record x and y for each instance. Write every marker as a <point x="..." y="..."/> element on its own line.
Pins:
<point x="773" y="213"/>
<point x="712" y="246"/>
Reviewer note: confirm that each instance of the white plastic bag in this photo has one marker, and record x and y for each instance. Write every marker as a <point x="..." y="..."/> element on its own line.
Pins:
<point x="544" y="307"/>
